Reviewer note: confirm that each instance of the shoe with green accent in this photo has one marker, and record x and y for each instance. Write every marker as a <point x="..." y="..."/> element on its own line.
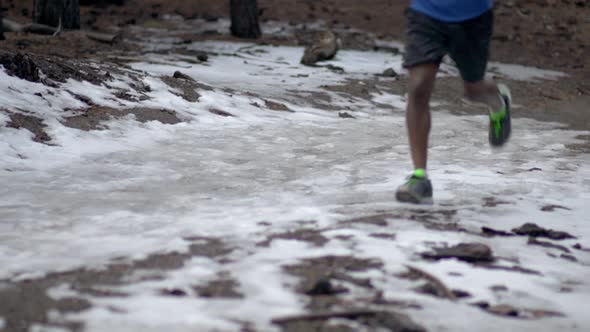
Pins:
<point x="416" y="190"/>
<point x="500" y="123"/>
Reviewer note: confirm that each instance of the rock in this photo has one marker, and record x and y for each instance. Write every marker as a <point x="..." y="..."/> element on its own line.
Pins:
<point x="325" y="287"/>
<point x="539" y="313"/>
<point x="553" y="207"/>
<point x="578" y="246"/>
<point x="429" y="289"/>
<point x="493" y="202"/>
<point x="346" y="115"/>
<point x="93" y="118"/>
<point x="535" y="230"/>
<point x="220" y="112"/>
<point x="333" y="68"/>
<point x="461" y="294"/>
<point x="274" y="106"/>
<point x="181" y="75"/>
<point x="184" y="86"/>
<point x="433" y="286"/>
<point x="468" y="252"/>
<point x="534" y="241"/>
<point x="481" y="304"/>
<point x="499" y="288"/>
<point x="21" y="66"/>
<point x="503" y="310"/>
<point x="324" y="47"/>
<point x="31" y="123"/>
<point x="173" y="292"/>
<point x="374" y="320"/>
<point x="488" y="231"/>
<point x="389" y="72"/>
<point x="514" y="268"/>
<point x="570" y="258"/>
<point x="223" y="288"/>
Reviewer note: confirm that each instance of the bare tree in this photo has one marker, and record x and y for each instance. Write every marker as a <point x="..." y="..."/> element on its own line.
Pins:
<point x="244" y="18"/>
<point x="57" y="12"/>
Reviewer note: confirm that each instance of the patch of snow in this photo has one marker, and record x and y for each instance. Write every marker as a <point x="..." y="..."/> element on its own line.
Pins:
<point x="390" y="44"/>
<point x="397" y="101"/>
<point x="270" y="69"/>
<point x="61" y="291"/>
<point x="523" y="73"/>
<point x="46" y="328"/>
<point x="137" y="189"/>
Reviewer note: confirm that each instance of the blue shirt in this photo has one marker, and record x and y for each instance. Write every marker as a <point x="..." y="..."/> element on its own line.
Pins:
<point x="452" y="10"/>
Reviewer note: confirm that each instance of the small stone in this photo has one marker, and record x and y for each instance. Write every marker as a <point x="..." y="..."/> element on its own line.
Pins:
<point x="390" y="72"/>
<point x="488" y="231"/>
<point x="183" y="76"/>
<point x="552" y="207"/>
<point x="503" y="310"/>
<point x="324" y="287"/>
<point x="481" y="304"/>
<point x="499" y="288"/>
<point x="346" y="115"/>
<point x="535" y="230"/>
<point x="468" y="252"/>
<point x="429" y="289"/>
<point x="578" y="246"/>
<point x="570" y="258"/>
<point x="220" y="113"/>
<point x="173" y="292"/>
<point x="538" y="313"/>
<point x="274" y="106"/>
<point x="460" y="294"/>
<point x="534" y="241"/>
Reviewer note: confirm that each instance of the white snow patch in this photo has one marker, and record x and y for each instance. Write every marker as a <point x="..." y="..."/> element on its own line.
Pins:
<point x="523" y="73"/>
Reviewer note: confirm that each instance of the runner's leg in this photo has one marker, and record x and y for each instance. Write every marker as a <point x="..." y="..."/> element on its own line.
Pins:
<point x="421" y="84"/>
<point x="484" y="92"/>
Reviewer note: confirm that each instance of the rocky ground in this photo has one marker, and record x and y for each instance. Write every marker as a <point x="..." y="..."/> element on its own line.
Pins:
<point x="341" y="290"/>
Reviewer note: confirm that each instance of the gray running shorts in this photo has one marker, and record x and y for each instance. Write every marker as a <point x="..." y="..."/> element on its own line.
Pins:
<point x="428" y="40"/>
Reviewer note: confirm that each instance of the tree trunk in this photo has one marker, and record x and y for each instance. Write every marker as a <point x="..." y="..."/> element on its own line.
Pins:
<point x="51" y="12"/>
<point x="244" y="18"/>
<point x="102" y="2"/>
<point x="1" y="29"/>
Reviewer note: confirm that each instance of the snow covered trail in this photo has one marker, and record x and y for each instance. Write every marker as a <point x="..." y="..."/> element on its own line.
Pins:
<point x="138" y="189"/>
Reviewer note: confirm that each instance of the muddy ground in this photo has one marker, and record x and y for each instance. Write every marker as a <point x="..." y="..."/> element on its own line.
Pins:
<point x="544" y="33"/>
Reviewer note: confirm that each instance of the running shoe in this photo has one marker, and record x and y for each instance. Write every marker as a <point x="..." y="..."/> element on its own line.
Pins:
<point x="500" y="125"/>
